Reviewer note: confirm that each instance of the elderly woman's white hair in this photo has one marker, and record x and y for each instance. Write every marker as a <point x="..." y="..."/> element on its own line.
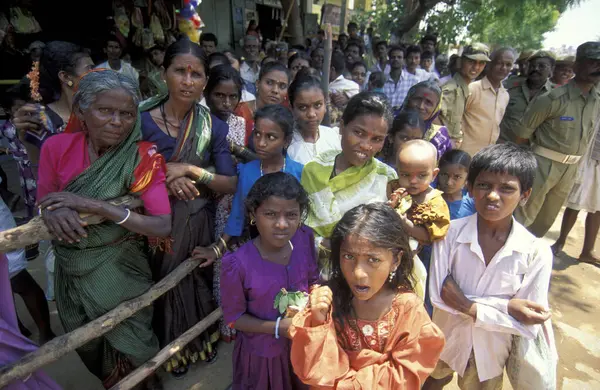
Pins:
<point x="97" y="82"/>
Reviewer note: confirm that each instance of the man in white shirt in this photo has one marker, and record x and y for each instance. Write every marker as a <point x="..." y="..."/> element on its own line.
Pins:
<point x="251" y="66"/>
<point x="340" y="88"/>
<point x="413" y="64"/>
<point x="114" y="51"/>
<point x="489" y="277"/>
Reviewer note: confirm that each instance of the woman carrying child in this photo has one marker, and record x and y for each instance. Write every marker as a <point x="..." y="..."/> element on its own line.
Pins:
<point x="367" y="324"/>
<point x="282" y="256"/>
<point x="337" y="181"/>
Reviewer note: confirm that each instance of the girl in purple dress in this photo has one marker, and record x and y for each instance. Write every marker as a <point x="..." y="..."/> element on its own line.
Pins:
<point x="282" y="256"/>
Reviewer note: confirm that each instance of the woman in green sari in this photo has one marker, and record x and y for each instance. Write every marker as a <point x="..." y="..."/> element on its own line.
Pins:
<point x="338" y="181"/>
<point x="101" y="156"/>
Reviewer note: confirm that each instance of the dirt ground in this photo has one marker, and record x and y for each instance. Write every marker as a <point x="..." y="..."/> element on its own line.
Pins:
<point x="574" y="292"/>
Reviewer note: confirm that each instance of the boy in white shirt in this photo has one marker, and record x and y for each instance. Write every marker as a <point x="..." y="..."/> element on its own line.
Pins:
<point x="489" y="278"/>
<point x="114" y="52"/>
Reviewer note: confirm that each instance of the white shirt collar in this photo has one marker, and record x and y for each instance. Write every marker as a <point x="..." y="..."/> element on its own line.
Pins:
<point x="519" y="238"/>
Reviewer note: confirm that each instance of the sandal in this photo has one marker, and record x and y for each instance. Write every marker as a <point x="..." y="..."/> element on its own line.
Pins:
<point x="212" y="357"/>
<point x="179" y="372"/>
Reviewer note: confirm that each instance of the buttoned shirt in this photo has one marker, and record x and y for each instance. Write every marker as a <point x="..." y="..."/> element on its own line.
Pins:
<point x="396" y="92"/>
<point x="454" y="98"/>
<point x="519" y="99"/>
<point x="483" y="113"/>
<point x="562" y="120"/>
<point x="248" y="73"/>
<point x="520" y="269"/>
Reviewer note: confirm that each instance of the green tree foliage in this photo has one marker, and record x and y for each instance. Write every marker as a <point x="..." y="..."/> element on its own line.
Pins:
<point x="518" y="23"/>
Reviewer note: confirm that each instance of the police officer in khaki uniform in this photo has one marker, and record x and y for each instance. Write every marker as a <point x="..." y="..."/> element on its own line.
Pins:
<point x="456" y="91"/>
<point x="523" y="91"/>
<point x="560" y="126"/>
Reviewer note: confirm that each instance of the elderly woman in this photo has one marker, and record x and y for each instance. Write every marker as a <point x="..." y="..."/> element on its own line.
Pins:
<point x="100" y="157"/>
<point x="193" y="142"/>
<point x="426" y="97"/>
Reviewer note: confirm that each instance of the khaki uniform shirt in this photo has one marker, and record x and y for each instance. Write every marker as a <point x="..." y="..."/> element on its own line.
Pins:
<point x="519" y="99"/>
<point x="562" y="120"/>
<point x="454" y="97"/>
<point x="483" y="113"/>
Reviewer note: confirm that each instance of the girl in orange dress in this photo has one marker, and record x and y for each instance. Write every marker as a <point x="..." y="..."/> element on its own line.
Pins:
<point x="366" y="329"/>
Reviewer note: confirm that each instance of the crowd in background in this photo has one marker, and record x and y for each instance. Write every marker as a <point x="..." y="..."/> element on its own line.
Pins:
<point x="383" y="196"/>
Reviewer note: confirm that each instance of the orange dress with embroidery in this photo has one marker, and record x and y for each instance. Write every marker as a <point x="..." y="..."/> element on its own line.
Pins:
<point x="397" y="352"/>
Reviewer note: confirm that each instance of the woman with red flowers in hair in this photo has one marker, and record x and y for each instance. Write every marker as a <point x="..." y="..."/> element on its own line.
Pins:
<point x="101" y="156"/>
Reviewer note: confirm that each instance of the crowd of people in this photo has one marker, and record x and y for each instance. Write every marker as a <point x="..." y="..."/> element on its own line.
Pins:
<point x="377" y="230"/>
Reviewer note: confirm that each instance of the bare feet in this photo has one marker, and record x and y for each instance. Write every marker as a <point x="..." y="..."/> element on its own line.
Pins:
<point x="557" y="247"/>
<point x="589" y="258"/>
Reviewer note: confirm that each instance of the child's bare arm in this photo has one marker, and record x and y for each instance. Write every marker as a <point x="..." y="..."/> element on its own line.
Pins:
<point x="417" y="232"/>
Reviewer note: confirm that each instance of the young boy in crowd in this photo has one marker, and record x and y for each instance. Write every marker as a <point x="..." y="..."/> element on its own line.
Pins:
<point x="490" y="276"/>
<point x="424" y="212"/>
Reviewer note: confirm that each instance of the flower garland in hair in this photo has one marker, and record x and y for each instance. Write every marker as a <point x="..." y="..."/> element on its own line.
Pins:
<point x="34" y="82"/>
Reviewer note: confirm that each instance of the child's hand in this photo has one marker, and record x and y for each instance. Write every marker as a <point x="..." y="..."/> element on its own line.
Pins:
<point x="396" y="196"/>
<point x="528" y="312"/>
<point x="204" y="252"/>
<point x="321" y="300"/>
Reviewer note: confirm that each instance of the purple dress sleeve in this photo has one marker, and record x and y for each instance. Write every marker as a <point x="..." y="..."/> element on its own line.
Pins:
<point x="233" y="297"/>
<point x="441" y="141"/>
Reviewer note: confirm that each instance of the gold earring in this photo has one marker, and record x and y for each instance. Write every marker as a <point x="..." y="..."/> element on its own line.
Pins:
<point x="70" y="83"/>
<point x="252" y="221"/>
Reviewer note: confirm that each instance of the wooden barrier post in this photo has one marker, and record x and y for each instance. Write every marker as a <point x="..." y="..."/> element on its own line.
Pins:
<point x="60" y="346"/>
<point x="35" y="230"/>
<point x="146" y="369"/>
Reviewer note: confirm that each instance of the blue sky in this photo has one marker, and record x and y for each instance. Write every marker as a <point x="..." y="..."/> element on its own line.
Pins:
<point x="576" y="25"/>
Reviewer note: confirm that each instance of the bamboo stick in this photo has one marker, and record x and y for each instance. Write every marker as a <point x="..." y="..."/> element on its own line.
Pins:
<point x="146" y="369"/>
<point x="60" y="346"/>
<point x="35" y="230"/>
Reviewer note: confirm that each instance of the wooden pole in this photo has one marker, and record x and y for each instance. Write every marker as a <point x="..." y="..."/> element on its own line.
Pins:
<point x="60" y="346"/>
<point x="287" y="17"/>
<point x="35" y="230"/>
<point x="146" y="369"/>
<point x="328" y="50"/>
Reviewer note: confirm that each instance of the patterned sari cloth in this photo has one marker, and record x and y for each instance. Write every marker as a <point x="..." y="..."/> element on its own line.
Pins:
<point x="436" y="134"/>
<point x="108" y="266"/>
<point x="193" y="225"/>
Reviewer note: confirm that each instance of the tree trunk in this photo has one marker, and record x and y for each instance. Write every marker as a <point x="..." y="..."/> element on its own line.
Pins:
<point x="415" y="12"/>
<point x="294" y="23"/>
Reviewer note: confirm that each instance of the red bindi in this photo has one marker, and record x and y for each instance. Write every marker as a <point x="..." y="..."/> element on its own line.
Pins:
<point x="426" y="94"/>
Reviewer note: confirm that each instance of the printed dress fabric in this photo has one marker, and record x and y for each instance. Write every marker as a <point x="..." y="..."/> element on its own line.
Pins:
<point x="237" y="135"/>
<point x="398" y="351"/>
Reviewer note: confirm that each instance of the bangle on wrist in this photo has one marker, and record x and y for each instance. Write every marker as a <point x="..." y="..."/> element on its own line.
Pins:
<point x="224" y="243"/>
<point x="205" y="177"/>
<point x="124" y="219"/>
<point x="217" y="251"/>
<point x="277" y="328"/>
